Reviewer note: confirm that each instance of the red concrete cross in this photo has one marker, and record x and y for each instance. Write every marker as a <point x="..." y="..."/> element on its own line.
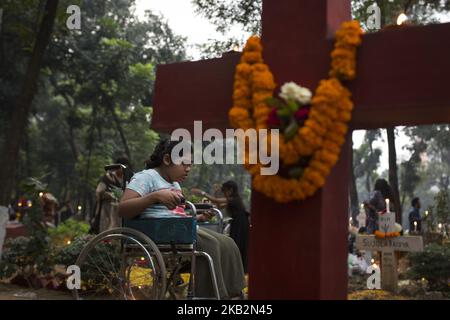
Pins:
<point x="299" y="250"/>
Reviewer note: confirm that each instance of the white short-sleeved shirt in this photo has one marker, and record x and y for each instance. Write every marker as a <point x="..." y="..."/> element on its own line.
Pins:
<point x="148" y="181"/>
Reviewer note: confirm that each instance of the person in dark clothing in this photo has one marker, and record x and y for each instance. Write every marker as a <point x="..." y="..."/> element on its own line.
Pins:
<point x="377" y="203"/>
<point x="127" y="171"/>
<point x="240" y="224"/>
<point x="66" y="211"/>
<point x="414" y="216"/>
<point x="108" y="192"/>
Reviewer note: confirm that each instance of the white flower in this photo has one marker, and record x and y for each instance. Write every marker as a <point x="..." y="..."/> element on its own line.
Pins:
<point x="292" y="91"/>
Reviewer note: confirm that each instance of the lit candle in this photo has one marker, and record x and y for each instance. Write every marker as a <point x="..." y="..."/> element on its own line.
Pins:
<point x="415" y="226"/>
<point x="426" y="213"/>
<point x="401" y="19"/>
<point x="388" y="209"/>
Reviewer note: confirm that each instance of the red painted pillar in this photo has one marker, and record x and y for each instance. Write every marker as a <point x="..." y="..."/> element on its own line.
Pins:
<point x="299" y="250"/>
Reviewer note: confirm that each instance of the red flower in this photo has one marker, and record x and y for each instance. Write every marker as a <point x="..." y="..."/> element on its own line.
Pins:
<point x="273" y="119"/>
<point x="301" y="114"/>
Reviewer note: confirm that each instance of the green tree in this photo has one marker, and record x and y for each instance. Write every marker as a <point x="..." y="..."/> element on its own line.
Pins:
<point x="246" y="15"/>
<point x="23" y="102"/>
<point x="94" y="91"/>
<point x="409" y="171"/>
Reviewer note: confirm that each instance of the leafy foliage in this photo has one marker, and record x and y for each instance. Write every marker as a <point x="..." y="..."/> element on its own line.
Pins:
<point x="29" y="256"/>
<point x="433" y="264"/>
<point x="67" y="231"/>
<point x="94" y="96"/>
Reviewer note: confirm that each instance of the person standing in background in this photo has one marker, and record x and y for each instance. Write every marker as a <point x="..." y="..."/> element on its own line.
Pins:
<point x="235" y="208"/>
<point x="414" y="216"/>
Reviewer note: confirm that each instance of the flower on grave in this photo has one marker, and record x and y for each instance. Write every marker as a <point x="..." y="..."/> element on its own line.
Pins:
<point x="301" y="114"/>
<point x="292" y="91"/>
<point x="273" y="119"/>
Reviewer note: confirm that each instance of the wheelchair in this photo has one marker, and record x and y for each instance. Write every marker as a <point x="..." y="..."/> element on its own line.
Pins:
<point x="218" y="223"/>
<point x="153" y="258"/>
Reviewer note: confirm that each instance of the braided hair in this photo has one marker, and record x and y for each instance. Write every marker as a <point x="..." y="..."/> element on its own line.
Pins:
<point x="165" y="146"/>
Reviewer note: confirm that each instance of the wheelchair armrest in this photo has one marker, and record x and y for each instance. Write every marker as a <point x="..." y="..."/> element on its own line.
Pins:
<point x="203" y="206"/>
<point x="192" y="207"/>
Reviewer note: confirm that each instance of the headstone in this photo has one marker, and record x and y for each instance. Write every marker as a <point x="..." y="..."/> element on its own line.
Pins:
<point x="362" y="217"/>
<point x="386" y="222"/>
<point x="4" y="217"/>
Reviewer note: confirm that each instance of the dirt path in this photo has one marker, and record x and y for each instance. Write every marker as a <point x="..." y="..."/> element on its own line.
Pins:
<point x="14" y="292"/>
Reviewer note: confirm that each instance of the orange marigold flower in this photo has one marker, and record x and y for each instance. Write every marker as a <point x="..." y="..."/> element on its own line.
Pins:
<point x="252" y="57"/>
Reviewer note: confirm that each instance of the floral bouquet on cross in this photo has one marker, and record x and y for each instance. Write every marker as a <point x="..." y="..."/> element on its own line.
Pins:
<point x="289" y="113"/>
<point x="312" y="127"/>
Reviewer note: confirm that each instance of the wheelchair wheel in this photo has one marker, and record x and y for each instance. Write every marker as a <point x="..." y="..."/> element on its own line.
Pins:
<point x="122" y="264"/>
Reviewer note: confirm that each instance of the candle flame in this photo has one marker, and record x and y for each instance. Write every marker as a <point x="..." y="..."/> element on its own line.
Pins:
<point x="401" y="19"/>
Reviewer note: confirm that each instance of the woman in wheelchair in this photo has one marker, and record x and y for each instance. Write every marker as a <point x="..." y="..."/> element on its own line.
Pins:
<point x="155" y="192"/>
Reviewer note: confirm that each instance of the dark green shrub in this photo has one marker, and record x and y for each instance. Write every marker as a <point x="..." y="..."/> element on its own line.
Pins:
<point x="433" y="264"/>
<point x="67" y="231"/>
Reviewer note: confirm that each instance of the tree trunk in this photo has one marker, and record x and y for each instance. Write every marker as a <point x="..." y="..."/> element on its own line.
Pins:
<point x="23" y="103"/>
<point x="393" y="176"/>
<point x="26" y="139"/>
<point x="119" y="129"/>
<point x="71" y="106"/>
<point x="72" y="143"/>
<point x="354" y="203"/>
<point x="368" y="181"/>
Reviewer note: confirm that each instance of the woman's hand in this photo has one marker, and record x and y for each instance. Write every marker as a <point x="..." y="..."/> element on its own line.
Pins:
<point x="170" y="198"/>
<point x="197" y="192"/>
<point x="108" y="196"/>
<point x="204" y="216"/>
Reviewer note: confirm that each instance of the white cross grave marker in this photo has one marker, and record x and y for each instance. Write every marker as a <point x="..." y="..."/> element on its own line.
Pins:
<point x="362" y="217"/>
<point x="388" y="247"/>
<point x="4" y="217"/>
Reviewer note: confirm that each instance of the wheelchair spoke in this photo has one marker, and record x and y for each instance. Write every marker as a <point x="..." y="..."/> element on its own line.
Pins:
<point x="106" y="277"/>
<point x="121" y="264"/>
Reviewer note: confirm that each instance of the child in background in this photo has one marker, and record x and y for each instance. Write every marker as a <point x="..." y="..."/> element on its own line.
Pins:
<point x="156" y="192"/>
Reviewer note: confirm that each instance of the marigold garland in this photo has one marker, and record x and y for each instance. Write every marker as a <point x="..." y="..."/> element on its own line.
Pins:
<point x="323" y="132"/>
<point x="383" y="235"/>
